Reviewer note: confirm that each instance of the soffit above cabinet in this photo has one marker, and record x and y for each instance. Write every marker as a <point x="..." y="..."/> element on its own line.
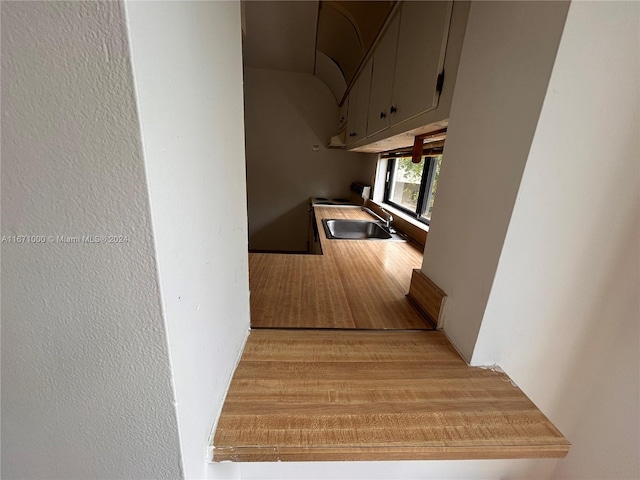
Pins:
<point x="347" y="30"/>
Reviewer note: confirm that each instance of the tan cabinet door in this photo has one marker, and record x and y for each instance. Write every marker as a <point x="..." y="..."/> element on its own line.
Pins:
<point x="351" y="114"/>
<point x="422" y="41"/>
<point x="358" y="106"/>
<point x="362" y="112"/>
<point x="382" y="79"/>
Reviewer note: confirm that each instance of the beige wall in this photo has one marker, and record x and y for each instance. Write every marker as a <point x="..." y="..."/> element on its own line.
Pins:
<point x="285" y="115"/>
<point x="563" y="317"/>
<point x="502" y="79"/>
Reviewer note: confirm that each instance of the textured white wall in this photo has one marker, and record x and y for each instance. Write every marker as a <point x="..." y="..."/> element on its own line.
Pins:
<point x="563" y="315"/>
<point x="286" y="114"/>
<point x="502" y="78"/>
<point x="86" y="383"/>
<point x="187" y="64"/>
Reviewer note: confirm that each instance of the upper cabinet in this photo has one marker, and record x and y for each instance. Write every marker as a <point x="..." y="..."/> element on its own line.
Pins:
<point x="405" y="74"/>
<point x="422" y="42"/>
<point x="384" y="59"/>
<point x="352" y="135"/>
<point x="358" y="106"/>
<point x="342" y="119"/>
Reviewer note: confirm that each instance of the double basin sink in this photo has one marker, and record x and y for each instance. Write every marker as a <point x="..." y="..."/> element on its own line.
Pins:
<point x="358" y="230"/>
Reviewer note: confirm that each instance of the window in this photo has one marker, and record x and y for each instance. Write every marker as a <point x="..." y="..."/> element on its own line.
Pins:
<point x="411" y="187"/>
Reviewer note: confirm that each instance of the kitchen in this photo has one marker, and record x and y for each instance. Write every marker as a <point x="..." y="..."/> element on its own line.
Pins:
<point x="354" y="293"/>
<point x="291" y="114"/>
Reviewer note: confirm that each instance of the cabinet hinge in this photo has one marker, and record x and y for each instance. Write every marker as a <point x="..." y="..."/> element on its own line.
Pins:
<point x="440" y="82"/>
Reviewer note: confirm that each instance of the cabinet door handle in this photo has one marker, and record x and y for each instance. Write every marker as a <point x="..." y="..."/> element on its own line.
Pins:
<point x="353" y="134"/>
<point x="383" y="115"/>
<point x="393" y="109"/>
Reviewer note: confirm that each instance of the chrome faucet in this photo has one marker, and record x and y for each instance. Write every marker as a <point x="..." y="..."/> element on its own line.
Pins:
<point x="387" y="221"/>
<point x="389" y="218"/>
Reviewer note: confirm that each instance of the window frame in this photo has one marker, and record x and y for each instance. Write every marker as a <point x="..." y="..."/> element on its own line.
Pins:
<point x="426" y="186"/>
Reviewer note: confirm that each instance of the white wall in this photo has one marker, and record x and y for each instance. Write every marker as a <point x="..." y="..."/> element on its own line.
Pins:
<point x="285" y="115"/>
<point x="563" y="315"/>
<point x="504" y="69"/>
<point x="86" y="380"/>
<point x="188" y="74"/>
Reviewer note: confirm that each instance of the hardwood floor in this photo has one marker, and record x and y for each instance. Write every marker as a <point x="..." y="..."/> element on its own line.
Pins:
<point x="302" y="395"/>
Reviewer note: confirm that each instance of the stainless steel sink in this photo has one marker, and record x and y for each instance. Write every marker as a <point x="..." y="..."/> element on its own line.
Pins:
<point x="357" y="230"/>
